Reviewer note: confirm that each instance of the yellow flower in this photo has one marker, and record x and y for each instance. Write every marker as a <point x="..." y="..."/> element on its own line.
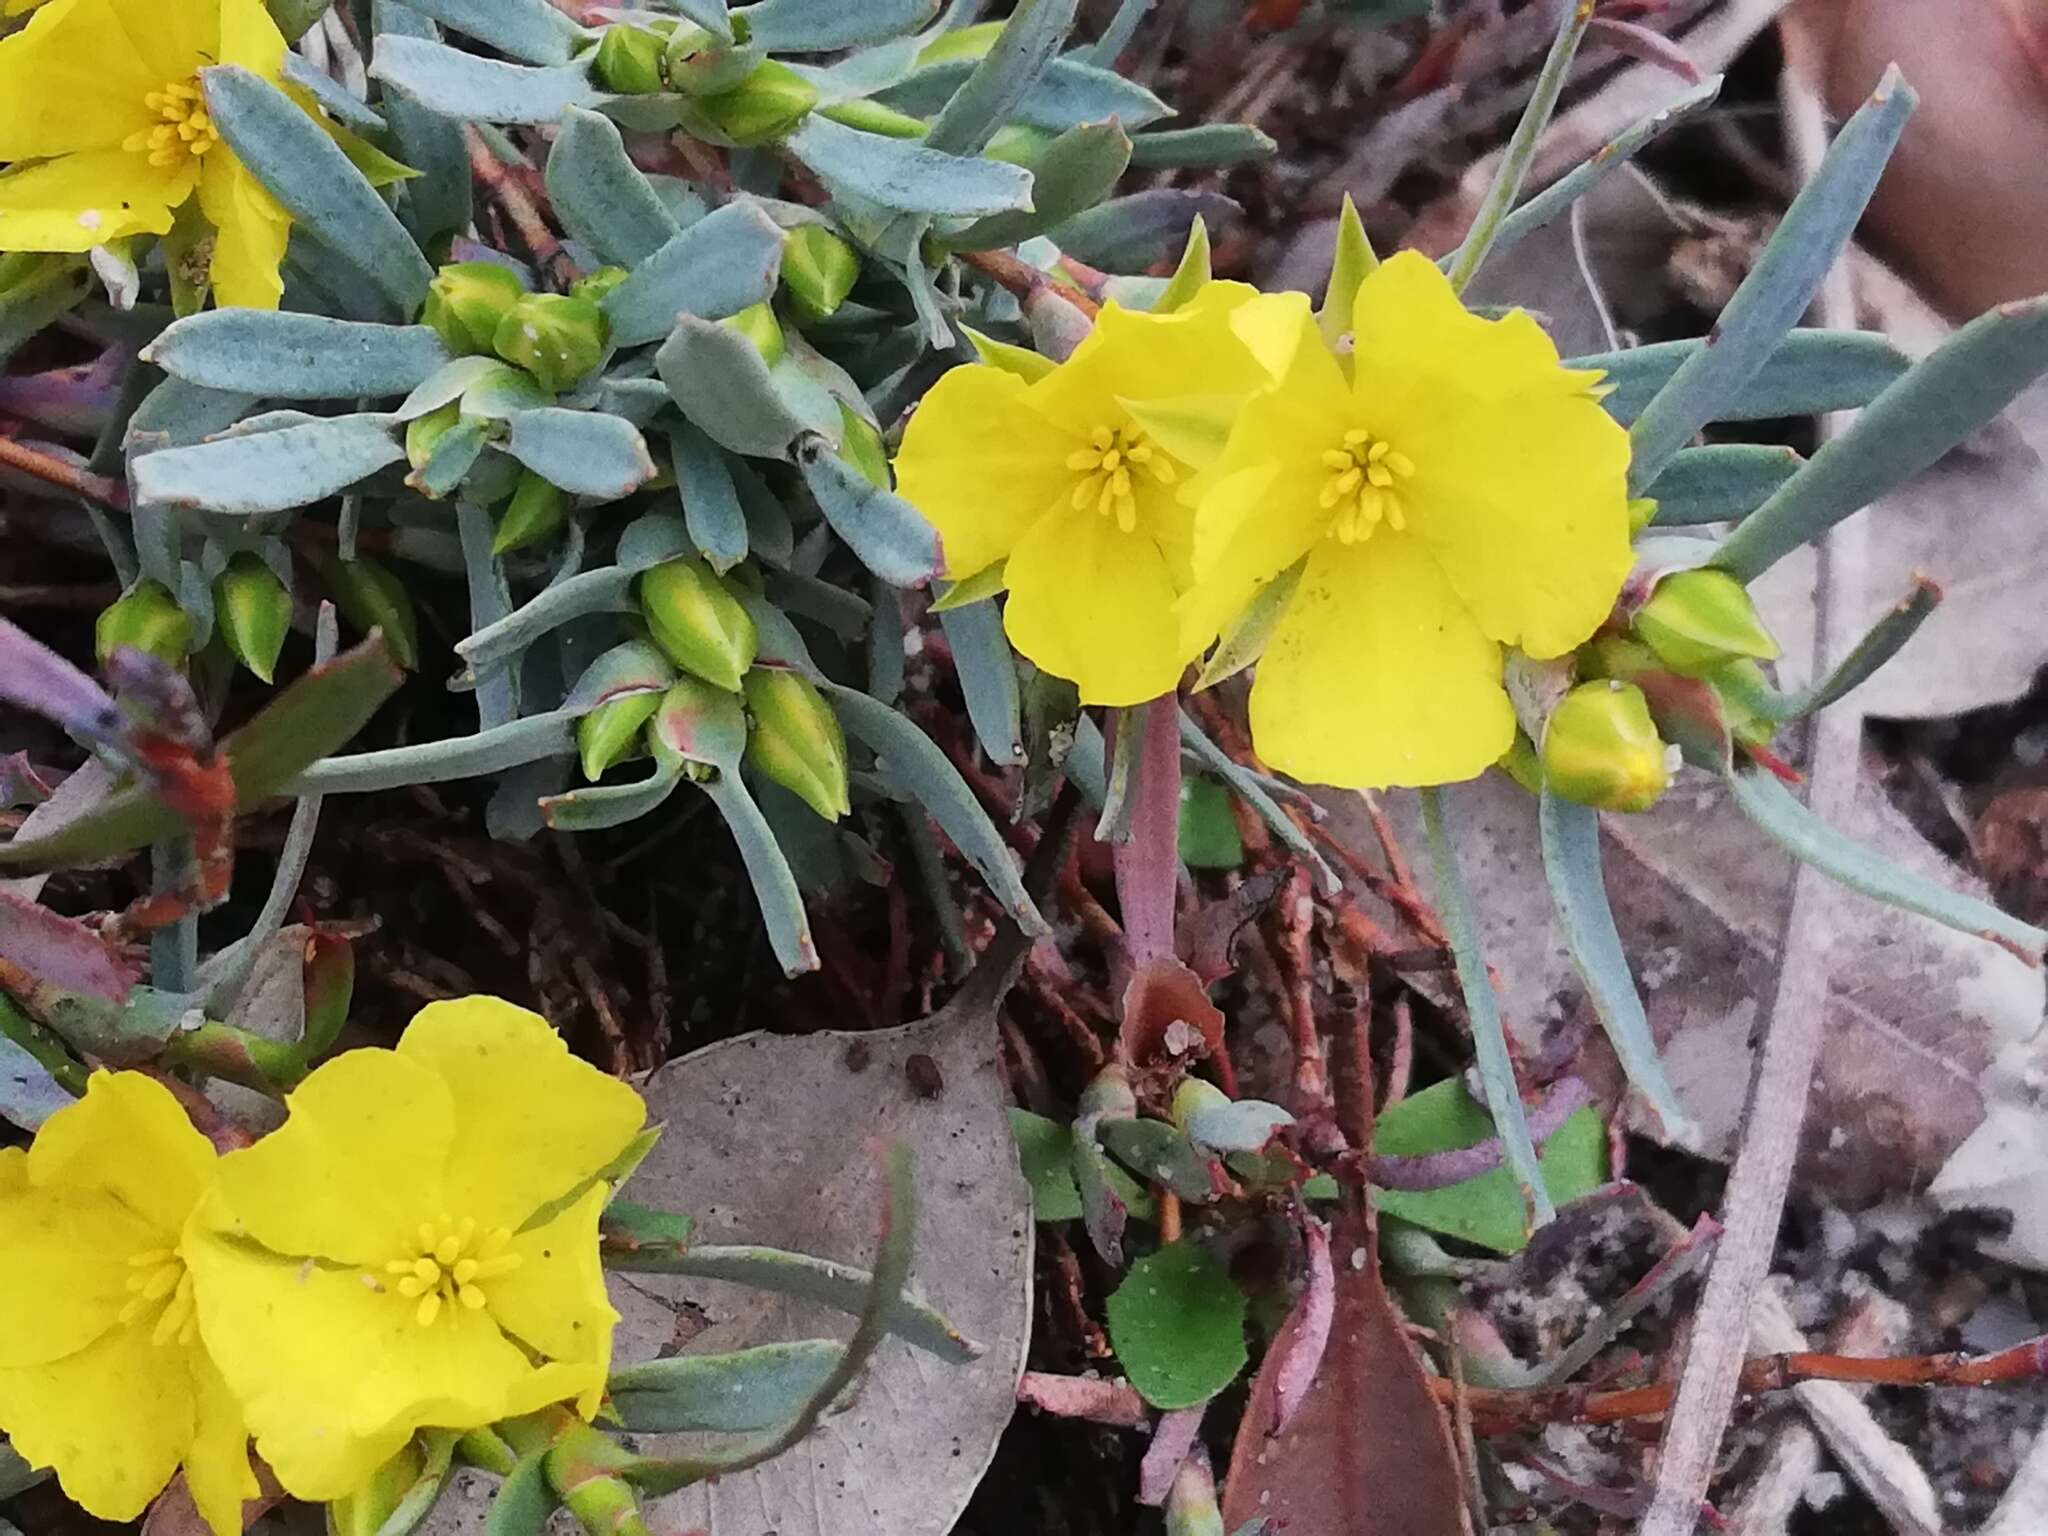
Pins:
<point x="102" y="1374"/>
<point x="100" y="109"/>
<point x="1458" y="493"/>
<point x="1055" y="477"/>
<point x="416" y="1246"/>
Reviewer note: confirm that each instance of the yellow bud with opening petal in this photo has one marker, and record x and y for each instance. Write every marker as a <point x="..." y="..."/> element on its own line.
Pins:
<point x="465" y="302"/>
<point x="698" y="622"/>
<point x="765" y="107"/>
<point x="1698" y="620"/>
<point x="145" y="618"/>
<point x="1601" y="748"/>
<point x="629" y="60"/>
<point x="698" y="64"/>
<point x="794" y="740"/>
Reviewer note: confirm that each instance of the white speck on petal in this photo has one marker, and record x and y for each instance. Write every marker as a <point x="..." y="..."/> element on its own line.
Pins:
<point x="90" y="219"/>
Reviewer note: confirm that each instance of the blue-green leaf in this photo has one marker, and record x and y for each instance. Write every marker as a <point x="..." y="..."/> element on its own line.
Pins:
<point x="307" y="172"/>
<point x="1571" y="860"/>
<point x="997" y="82"/>
<point x="1807" y="838"/>
<point x="434" y="762"/>
<point x="29" y="305"/>
<point x="29" y="1095"/>
<point x="270" y="471"/>
<point x="1780" y="287"/>
<point x="599" y="194"/>
<point x="988" y="678"/>
<point x="1132" y="232"/>
<point x="1065" y="95"/>
<point x="1720" y="482"/>
<point x="901" y="174"/>
<point x="436" y="202"/>
<point x="775" y="887"/>
<point x="1076" y="172"/>
<point x="288" y="356"/>
<point x="915" y="764"/>
<point x="722" y="385"/>
<point x="1212" y="144"/>
<point x="711" y="504"/>
<point x="1810" y="372"/>
<point x="524" y="1501"/>
<point x="822" y="26"/>
<point x="531" y="30"/>
<point x="593" y="807"/>
<point x="749" y="1389"/>
<point x="890" y="536"/>
<point x="584" y="452"/>
<point x="1248" y="789"/>
<point x="462" y="85"/>
<point x="1968" y="380"/>
<point x="725" y="262"/>
<point x="608" y="590"/>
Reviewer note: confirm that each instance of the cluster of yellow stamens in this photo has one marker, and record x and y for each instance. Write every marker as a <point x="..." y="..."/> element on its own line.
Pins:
<point x="1360" y="489"/>
<point x="161" y="1278"/>
<point x="1106" y="466"/>
<point x="450" y="1264"/>
<point x="186" y="128"/>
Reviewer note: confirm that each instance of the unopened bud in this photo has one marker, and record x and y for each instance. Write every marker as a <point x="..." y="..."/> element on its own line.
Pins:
<point x="872" y="117"/>
<point x="364" y="1512"/>
<point x="253" y="610"/>
<point x="1697" y="620"/>
<point x="1601" y="748"/>
<point x="818" y="269"/>
<point x="861" y="446"/>
<point x="698" y="64"/>
<point x="629" y="60"/>
<point x="466" y="301"/>
<point x="537" y="509"/>
<point x="423" y="434"/>
<point x="794" y="740"/>
<point x="556" y="338"/>
<point x="698" y="623"/>
<point x="370" y="596"/>
<point x="145" y="618"/>
<point x="595" y="285"/>
<point x="699" y="723"/>
<point x="612" y="730"/>
<point x="765" y="107"/>
<point x="1019" y="144"/>
<point x="758" y="324"/>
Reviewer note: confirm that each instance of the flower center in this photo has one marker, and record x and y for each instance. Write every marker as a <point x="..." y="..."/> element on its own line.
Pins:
<point x="1106" y="465"/>
<point x="449" y="1263"/>
<point x="185" y="129"/>
<point x="1361" y="489"/>
<point x="161" y="1281"/>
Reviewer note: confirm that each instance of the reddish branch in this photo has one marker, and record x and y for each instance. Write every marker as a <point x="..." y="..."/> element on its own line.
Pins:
<point x="1024" y="280"/>
<point x="518" y="206"/>
<point x="79" y="481"/>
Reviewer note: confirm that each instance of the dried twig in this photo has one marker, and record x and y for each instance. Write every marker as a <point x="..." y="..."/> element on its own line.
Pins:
<point x="46" y="467"/>
<point x="505" y="190"/>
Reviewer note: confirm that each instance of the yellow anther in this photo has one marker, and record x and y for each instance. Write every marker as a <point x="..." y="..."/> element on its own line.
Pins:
<point x="1400" y="464"/>
<point x="177" y="1315"/>
<point x="413" y="1285"/>
<point x="465" y="1271"/>
<point x="185" y="131"/>
<point x="470" y="1297"/>
<point x="448" y="1250"/>
<point x="1083" y="458"/>
<point x="151" y="1258"/>
<point x="494" y="1243"/>
<point x="1104" y="439"/>
<point x="160" y="1283"/>
<point x="1360" y="489"/>
<point x="1336" y="458"/>
<point x="429" y="1309"/>
<point x="1379" y="475"/>
<point x="429" y="1235"/>
<point x="427" y="1270"/>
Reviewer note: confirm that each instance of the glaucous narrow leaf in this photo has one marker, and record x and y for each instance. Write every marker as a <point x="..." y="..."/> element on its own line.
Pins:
<point x="600" y="195"/>
<point x="725" y="262"/>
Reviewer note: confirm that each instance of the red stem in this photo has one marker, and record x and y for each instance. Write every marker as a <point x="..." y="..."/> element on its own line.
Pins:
<point x="1148" y="866"/>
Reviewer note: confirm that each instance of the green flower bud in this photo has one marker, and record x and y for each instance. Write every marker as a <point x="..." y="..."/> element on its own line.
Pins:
<point x="144" y="618"/>
<point x="698" y="622"/>
<point x="466" y="301"/>
<point x="794" y="740"/>
<point x="767" y="106"/>
<point x="537" y="509"/>
<point x="629" y="60"/>
<point x="861" y="446"/>
<point x="818" y="269"/>
<point x="1521" y="764"/>
<point x="758" y="324"/>
<point x="556" y="338"/>
<point x="423" y="434"/>
<point x="698" y="64"/>
<point x="253" y="610"/>
<point x="1195" y="1094"/>
<point x="1601" y="748"/>
<point x="595" y="285"/>
<point x="701" y="724"/>
<point x="1696" y="620"/>
<point x="364" y="1512"/>
<point x="1742" y="689"/>
<point x="1018" y="144"/>
<point x="872" y="117"/>
<point x="370" y="596"/>
<point x="612" y="730"/>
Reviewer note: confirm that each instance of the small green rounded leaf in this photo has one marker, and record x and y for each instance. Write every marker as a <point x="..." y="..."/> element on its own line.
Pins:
<point x="1177" y="1323"/>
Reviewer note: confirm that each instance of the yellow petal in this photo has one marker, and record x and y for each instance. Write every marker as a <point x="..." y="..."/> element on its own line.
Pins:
<point x="355" y="1168"/>
<point x="217" y="1466"/>
<point x="1376" y="675"/>
<point x="72" y="80"/>
<point x="78" y="201"/>
<point x="458" y="1372"/>
<point x="172" y="38"/>
<point x="1520" y="483"/>
<point x="251" y="228"/>
<point x="1094" y="604"/>
<point x="532" y="1122"/>
<point x="129" y="1137"/>
<point x="114" y="1419"/>
<point x="248" y="37"/>
<point x="63" y="1269"/>
<point x="13" y="1169"/>
<point x="555" y="1301"/>
<point x="982" y="465"/>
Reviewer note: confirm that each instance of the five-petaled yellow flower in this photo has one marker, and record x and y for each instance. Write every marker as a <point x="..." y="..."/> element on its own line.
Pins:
<point x="1458" y="492"/>
<point x="101" y="113"/>
<point x="416" y="1246"/>
<point x="1055" y="477"/>
<point x="102" y="1373"/>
